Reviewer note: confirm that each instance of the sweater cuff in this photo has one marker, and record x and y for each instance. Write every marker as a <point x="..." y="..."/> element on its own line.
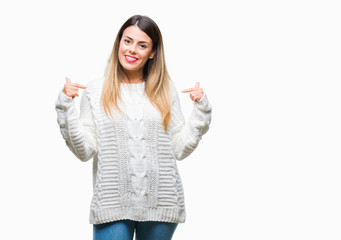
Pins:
<point x="64" y="100"/>
<point x="203" y="103"/>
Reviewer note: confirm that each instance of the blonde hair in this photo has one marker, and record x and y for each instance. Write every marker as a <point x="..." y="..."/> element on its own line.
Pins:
<point x="155" y="73"/>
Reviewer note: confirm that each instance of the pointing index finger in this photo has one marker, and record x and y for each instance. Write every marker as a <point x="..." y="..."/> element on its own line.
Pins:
<point x="79" y="85"/>
<point x="188" y="90"/>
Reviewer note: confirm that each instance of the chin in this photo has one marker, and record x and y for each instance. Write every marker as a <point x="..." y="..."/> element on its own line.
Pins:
<point x="129" y="68"/>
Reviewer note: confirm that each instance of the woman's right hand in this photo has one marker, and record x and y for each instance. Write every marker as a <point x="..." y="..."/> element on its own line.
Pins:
<point x="71" y="89"/>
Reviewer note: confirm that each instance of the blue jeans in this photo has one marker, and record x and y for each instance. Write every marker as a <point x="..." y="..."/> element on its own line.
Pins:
<point x="124" y="230"/>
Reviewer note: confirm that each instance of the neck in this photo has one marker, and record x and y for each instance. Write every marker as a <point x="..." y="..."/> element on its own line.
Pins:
<point x="133" y="77"/>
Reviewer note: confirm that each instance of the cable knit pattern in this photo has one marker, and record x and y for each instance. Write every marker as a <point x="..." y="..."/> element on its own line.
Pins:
<point x="135" y="175"/>
<point x="134" y="98"/>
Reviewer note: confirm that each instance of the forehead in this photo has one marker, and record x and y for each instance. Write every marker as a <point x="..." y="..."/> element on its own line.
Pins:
<point x="136" y="34"/>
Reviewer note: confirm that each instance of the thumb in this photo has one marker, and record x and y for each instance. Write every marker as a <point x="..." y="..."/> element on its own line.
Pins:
<point x="67" y="80"/>
<point x="197" y="84"/>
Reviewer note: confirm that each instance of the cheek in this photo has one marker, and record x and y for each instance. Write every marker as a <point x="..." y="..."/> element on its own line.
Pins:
<point x="122" y="48"/>
<point x="121" y="54"/>
<point x="145" y="55"/>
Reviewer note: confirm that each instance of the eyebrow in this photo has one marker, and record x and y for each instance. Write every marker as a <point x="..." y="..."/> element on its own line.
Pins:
<point x="139" y="41"/>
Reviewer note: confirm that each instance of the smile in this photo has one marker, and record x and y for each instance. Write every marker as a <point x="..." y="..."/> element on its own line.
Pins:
<point x="130" y="58"/>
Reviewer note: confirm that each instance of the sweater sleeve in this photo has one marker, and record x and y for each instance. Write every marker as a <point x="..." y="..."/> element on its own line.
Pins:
<point x="187" y="134"/>
<point x="79" y="132"/>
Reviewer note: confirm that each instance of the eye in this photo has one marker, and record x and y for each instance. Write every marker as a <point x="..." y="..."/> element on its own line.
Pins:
<point x="127" y="41"/>
<point x="143" y="46"/>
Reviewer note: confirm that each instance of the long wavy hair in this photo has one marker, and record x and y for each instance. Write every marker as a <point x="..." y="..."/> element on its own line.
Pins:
<point x="155" y="73"/>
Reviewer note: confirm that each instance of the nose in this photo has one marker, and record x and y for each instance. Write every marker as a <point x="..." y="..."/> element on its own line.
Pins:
<point x="132" y="48"/>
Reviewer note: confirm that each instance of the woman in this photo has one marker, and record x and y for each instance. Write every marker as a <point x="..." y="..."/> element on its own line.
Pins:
<point x="132" y="125"/>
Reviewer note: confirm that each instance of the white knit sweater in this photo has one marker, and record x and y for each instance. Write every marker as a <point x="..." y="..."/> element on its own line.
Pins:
<point x="133" y="96"/>
<point x="135" y="175"/>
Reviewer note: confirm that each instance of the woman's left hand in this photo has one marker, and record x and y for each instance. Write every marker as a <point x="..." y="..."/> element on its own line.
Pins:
<point x="196" y="93"/>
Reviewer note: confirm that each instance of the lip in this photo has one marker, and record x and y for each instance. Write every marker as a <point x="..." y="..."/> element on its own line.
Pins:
<point x="130" y="59"/>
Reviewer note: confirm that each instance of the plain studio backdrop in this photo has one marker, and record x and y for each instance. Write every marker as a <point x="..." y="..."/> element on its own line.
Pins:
<point x="268" y="168"/>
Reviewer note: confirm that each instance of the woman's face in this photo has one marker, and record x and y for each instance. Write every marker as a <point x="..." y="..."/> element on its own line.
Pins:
<point x="135" y="49"/>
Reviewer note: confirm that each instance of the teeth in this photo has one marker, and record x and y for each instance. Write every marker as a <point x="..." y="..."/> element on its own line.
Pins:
<point x="130" y="58"/>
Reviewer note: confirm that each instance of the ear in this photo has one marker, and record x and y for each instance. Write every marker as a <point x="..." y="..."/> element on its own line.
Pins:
<point x="152" y="54"/>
